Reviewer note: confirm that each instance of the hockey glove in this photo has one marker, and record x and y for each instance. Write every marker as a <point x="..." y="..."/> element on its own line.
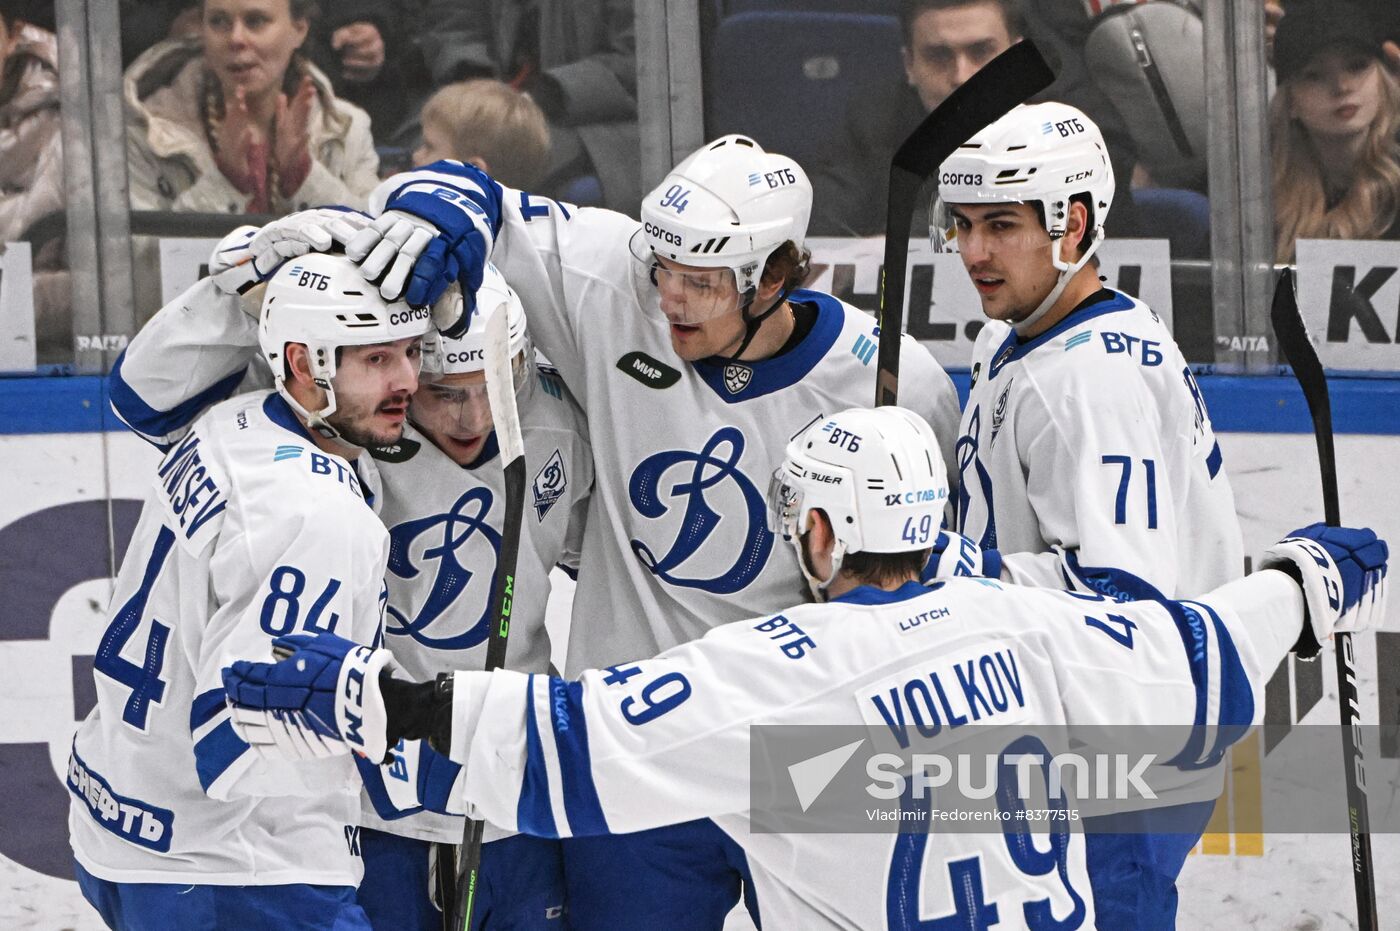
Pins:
<point x="955" y="555"/>
<point x="437" y="227"/>
<point x="1342" y="573"/>
<point x="416" y="778"/>
<point x="249" y="256"/>
<point x="326" y="689"/>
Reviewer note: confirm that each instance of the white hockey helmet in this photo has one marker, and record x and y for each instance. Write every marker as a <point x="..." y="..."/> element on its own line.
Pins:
<point x="322" y="301"/>
<point x="878" y="475"/>
<point x="728" y="205"/>
<point x="467" y="353"/>
<point x="1039" y="154"/>
<point x="456" y="407"/>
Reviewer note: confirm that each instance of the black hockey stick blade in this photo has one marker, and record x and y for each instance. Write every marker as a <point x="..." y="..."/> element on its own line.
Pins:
<point x="1292" y="336"/>
<point x="1012" y="78"/>
<point x="500" y="390"/>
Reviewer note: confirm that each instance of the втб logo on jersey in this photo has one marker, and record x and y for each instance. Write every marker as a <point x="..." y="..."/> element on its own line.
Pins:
<point x="712" y="470"/>
<point x="457" y="527"/>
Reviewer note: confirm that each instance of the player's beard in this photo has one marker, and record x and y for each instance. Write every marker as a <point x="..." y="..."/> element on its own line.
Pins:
<point x="355" y="421"/>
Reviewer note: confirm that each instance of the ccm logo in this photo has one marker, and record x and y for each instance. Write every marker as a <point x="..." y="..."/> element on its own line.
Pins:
<point x="663" y="234"/>
<point x="471" y="355"/>
<point x="408" y="316"/>
<point x="953" y="177"/>
<point x="1079" y="177"/>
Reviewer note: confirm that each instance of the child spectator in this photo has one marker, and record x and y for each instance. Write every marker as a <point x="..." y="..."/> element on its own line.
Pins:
<point x="1335" y="128"/>
<point x="490" y="124"/>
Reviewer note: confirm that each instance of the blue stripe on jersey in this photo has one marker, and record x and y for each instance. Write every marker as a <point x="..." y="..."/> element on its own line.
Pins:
<point x="1012" y="348"/>
<point x="1118" y="584"/>
<point x="153" y="424"/>
<point x="1214" y="460"/>
<point x="575" y="765"/>
<point x="490" y="449"/>
<point x="1194" y="637"/>
<point x="216" y="752"/>
<point x="206" y="707"/>
<point x="870" y="595"/>
<point x="277" y="411"/>
<point x="533" y="813"/>
<point x="779" y="372"/>
<point x="1236" y="694"/>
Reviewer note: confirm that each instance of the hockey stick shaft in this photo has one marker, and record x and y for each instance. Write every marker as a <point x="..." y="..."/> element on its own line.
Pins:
<point x="1012" y="78"/>
<point x="1293" y="339"/>
<point x="500" y="388"/>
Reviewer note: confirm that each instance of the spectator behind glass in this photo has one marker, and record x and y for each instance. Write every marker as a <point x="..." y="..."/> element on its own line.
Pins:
<point x="245" y="123"/>
<point x="1334" y="125"/>
<point x="489" y="124"/>
<point x="577" y="59"/>
<point x="945" y="43"/>
<point x="31" y="164"/>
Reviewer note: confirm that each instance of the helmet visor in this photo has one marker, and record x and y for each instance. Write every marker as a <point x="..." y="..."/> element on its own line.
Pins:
<point x="981" y="229"/>
<point x="682" y="295"/>
<point x="784" y="502"/>
<point x="449" y="404"/>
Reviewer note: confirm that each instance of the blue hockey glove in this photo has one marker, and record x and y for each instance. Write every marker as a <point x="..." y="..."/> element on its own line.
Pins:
<point x="325" y="690"/>
<point x="955" y="555"/>
<point x="437" y="227"/>
<point x="1342" y="572"/>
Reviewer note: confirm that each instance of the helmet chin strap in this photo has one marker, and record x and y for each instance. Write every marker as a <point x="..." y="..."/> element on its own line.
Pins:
<point x="314" y="420"/>
<point x="752" y="323"/>
<point x="1067" y="272"/>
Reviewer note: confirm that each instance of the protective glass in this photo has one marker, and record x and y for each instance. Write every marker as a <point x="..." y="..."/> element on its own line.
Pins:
<point x="688" y="297"/>
<point x="1011" y="239"/>
<point x="784" y="502"/>
<point x="460" y="409"/>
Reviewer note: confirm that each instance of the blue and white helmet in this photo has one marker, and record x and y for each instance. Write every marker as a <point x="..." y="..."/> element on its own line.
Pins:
<point x="322" y="301"/>
<point x="876" y="473"/>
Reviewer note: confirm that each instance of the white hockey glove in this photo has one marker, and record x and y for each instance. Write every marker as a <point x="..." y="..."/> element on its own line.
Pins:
<point x="250" y="255"/>
<point x="325" y="691"/>
<point x="955" y="555"/>
<point x="1342" y="572"/>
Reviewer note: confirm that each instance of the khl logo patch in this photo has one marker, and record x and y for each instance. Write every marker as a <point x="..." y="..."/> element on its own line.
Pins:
<point x="549" y="484"/>
<point x="737" y="377"/>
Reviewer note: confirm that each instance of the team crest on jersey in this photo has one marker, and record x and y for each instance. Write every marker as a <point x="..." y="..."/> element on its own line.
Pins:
<point x="697" y="482"/>
<point x="999" y="413"/>
<point x="456" y="547"/>
<point x="549" y="485"/>
<point x="737" y="377"/>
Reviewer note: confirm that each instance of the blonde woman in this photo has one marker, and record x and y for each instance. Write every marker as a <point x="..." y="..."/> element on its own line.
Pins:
<point x="1335" y="126"/>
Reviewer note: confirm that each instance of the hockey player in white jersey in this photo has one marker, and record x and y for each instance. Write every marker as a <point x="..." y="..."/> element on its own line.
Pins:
<point x="695" y="354"/>
<point x="1087" y="459"/>
<point x="860" y="496"/>
<point x="258" y="524"/>
<point x="441" y="501"/>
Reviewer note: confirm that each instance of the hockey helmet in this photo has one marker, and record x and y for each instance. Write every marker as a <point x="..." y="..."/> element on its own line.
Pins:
<point x="877" y="474"/>
<point x="725" y="208"/>
<point x="452" y="404"/>
<point x="322" y="301"/>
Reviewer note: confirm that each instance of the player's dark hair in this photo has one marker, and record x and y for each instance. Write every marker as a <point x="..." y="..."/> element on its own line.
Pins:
<point x="788" y="264"/>
<point x="885" y="568"/>
<point x="910" y="10"/>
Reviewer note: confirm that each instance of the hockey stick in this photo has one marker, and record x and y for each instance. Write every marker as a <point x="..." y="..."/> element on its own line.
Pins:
<point x="1011" y="78"/>
<point x="500" y="390"/>
<point x="1293" y="339"/>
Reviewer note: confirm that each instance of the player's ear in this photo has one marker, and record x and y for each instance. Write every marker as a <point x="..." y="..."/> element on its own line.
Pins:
<point x="1077" y="226"/>
<point x="297" y="359"/>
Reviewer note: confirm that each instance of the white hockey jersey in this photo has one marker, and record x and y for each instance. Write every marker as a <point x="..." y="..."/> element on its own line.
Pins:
<point x="444" y="520"/>
<point x="249" y="532"/>
<point x="667" y="740"/>
<point x="1088" y="460"/>
<point x="676" y="540"/>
